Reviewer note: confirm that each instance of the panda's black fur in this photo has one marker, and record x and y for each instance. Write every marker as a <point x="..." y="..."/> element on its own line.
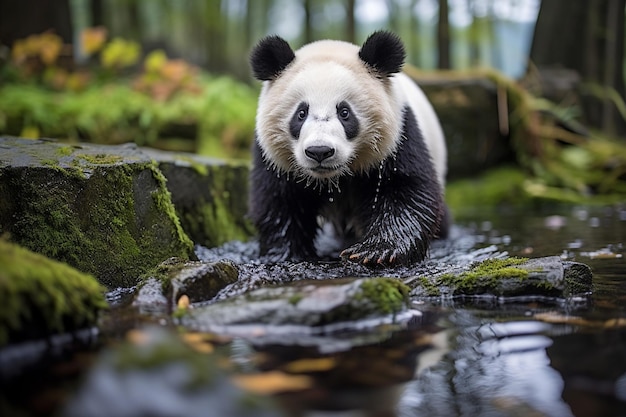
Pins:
<point x="385" y="214"/>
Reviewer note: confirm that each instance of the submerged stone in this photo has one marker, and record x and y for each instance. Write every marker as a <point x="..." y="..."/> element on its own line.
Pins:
<point x="305" y="303"/>
<point x="155" y="373"/>
<point x="41" y="297"/>
<point x="544" y="277"/>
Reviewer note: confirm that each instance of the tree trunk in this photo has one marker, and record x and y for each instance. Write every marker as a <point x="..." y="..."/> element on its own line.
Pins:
<point x="96" y="13"/>
<point x="18" y="19"/>
<point x="308" y="21"/>
<point x="216" y="51"/>
<point x="443" y="36"/>
<point x="350" y="21"/>
<point x="414" y="38"/>
<point x="392" y="10"/>
<point x="587" y="37"/>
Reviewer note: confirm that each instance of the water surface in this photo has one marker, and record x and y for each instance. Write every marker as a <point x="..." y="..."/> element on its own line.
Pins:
<point x="484" y="356"/>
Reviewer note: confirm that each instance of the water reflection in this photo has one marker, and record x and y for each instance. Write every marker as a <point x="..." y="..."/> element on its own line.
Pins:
<point x="479" y="357"/>
<point x="495" y="369"/>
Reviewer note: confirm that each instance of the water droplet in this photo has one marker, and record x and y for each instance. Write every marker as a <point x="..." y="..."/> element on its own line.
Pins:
<point x="331" y="199"/>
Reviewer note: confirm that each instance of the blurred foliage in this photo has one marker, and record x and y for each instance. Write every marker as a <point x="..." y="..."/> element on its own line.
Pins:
<point x="563" y="161"/>
<point x="120" y="53"/>
<point x="103" y="102"/>
<point x="119" y="96"/>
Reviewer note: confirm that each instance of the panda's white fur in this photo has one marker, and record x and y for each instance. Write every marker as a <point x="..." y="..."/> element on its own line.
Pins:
<point x="343" y="135"/>
<point x="325" y="73"/>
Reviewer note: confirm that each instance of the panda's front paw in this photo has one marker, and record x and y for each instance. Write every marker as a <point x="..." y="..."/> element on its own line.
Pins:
<point x="374" y="255"/>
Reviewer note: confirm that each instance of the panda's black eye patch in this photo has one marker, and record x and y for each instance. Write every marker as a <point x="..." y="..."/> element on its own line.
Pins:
<point x="348" y="120"/>
<point x="297" y="120"/>
<point x="344" y="113"/>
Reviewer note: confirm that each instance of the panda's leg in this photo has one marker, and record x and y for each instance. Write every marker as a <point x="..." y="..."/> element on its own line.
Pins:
<point x="401" y="225"/>
<point x="283" y="212"/>
<point x="403" y="205"/>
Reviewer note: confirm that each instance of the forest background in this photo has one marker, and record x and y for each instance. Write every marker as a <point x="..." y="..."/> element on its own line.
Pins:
<point x="174" y="74"/>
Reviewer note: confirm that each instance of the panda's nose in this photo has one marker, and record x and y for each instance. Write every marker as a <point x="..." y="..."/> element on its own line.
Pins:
<point x="319" y="153"/>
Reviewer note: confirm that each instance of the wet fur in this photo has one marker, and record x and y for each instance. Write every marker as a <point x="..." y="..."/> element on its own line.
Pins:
<point x="388" y="205"/>
<point x="395" y="225"/>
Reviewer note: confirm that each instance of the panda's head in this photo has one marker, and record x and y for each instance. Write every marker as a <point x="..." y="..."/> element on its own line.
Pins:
<point x="328" y="109"/>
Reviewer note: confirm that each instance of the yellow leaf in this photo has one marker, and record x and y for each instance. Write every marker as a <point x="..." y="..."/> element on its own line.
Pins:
<point x="137" y="337"/>
<point x="183" y="302"/>
<point x="92" y="39"/>
<point x="198" y="342"/>
<point x="155" y="61"/>
<point x="272" y="382"/>
<point x="616" y="322"/>
<point x="310" y="365"/>
<point x="120" y="53"/>
<point x="50" y="46"/>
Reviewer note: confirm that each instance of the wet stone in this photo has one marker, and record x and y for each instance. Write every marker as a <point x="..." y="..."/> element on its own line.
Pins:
<point x="304" y="303"/>
<point x="161" y="290"/>
<point x="509" y="277"/>
<point x="155" y="373"/>
<point x="200" y="281"/>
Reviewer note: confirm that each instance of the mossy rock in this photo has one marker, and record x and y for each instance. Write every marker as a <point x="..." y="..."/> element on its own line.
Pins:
<point x="210" y="196"/>
<point x="540" y="277"/>
<point x="469" y="106"/>
<point x="41" y="296"/>
<point x="305" y="303"/>
<point x="162" y="288"/>
<point x="104" y="210"/>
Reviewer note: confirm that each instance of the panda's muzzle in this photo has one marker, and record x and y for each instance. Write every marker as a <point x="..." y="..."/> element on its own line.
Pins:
<point x="319" y="153"/>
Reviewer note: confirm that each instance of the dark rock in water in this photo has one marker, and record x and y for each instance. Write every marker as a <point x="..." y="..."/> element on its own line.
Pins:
<point x="509" y="277"/>
<point x="305" y="303"/>
<point x="156" y="374"/>
<point x="150" y="299"/>
<point x="200" y="281"/>
<point x="160" y="292"/>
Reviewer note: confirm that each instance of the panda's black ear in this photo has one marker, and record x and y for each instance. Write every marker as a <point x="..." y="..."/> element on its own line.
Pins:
<point x="270" y="57"/>
<point x="383" y="52"/>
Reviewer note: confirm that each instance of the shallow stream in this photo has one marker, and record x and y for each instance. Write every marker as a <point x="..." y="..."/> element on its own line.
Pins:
<point x="481" y="356"/>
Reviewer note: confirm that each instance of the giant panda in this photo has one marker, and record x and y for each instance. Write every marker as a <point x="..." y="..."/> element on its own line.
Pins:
<point x="345" y="144"/>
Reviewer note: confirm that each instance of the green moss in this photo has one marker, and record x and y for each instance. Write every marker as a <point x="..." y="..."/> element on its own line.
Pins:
<point x="429" y="287"/>
<point x="217" y="213"/>
<point x="220" y="223"/>
<point x="481" y="277"/>
<point x="41" y="296"/>
<point x="199" y="168"/>
<point x="65" y="151"/>
<point x="163" y="201"/>
<point x="295" y="299"/>
<point x="387" y="295"/>
<point x="98" y="225"/>
<point x="100" y="159"/>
